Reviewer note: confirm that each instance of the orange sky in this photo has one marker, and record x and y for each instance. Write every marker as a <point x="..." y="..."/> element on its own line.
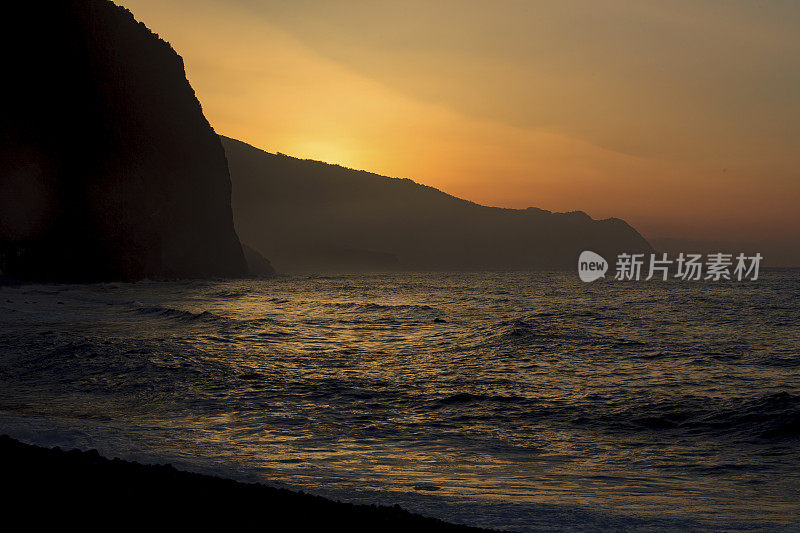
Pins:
<point x="683" y="120"/>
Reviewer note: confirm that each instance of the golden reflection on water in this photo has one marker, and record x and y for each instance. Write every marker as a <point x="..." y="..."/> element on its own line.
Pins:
<point x="663" y="400"/>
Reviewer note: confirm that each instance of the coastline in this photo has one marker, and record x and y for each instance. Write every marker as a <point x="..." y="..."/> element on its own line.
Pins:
<point x="83" y="488"/>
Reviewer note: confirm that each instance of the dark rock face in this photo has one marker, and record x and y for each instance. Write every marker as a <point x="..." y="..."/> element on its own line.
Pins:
<point x="108" y="168"/>
<point x="311" y="216"/>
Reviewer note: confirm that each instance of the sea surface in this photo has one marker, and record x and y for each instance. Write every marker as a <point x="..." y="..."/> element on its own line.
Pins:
<point x="521" y="401"/>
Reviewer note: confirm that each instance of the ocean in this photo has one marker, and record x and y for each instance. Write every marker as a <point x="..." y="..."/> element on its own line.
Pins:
<point x="515" y="400"/>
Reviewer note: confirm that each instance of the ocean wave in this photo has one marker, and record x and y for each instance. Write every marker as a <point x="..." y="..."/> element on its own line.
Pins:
<point x="521" y="329"/>
<point x="369" y="306"/>
<point x="772" y="416"/>
<point x="178" y="314"/>
<point x="465" y="397"/>
<point x="232" y="293"/>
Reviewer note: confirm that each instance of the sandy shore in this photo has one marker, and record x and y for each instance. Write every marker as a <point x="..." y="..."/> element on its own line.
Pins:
<point x="53" y="487"/>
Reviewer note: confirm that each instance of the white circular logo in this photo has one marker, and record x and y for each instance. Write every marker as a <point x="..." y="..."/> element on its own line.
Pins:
<point x="591" y="266"/>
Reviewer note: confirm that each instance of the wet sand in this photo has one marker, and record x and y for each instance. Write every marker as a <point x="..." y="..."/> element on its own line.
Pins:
<point x="53" y="487"/>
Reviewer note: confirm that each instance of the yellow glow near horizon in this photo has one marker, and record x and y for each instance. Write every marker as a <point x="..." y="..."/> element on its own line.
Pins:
<point x="446" y="117"/>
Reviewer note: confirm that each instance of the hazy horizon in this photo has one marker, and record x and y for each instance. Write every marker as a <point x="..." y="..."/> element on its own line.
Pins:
<point x="679" y="119"/>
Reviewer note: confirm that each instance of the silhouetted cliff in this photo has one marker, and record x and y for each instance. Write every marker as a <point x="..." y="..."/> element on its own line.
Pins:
<point x="108" y="168"/>
<point x="311" y="216"/>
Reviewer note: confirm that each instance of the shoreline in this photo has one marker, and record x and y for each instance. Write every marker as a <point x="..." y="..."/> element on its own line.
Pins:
<point x="83" y="488"/>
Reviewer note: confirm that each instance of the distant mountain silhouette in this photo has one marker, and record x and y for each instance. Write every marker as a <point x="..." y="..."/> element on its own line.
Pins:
<point x="311" y="216"/>
<point x="108" y="168"/>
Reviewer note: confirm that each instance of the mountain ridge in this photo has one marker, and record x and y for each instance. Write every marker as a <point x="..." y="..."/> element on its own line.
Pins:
<point x="316" y="211"/>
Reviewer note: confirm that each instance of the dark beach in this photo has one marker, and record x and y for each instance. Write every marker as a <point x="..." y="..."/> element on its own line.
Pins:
<point x="82" y="488"/>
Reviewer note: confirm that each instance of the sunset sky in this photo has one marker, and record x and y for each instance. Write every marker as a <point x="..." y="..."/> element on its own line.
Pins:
<point x="681" y="117"/>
